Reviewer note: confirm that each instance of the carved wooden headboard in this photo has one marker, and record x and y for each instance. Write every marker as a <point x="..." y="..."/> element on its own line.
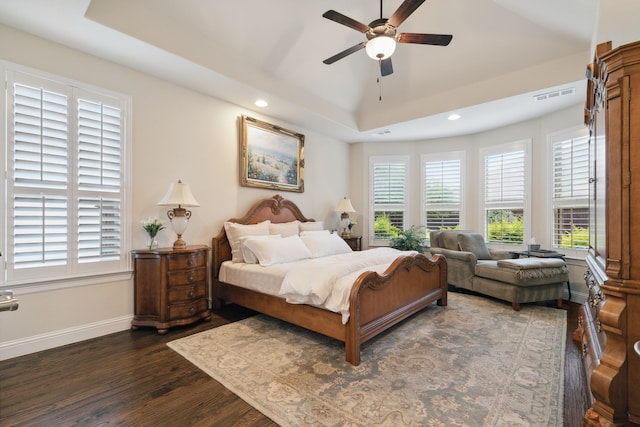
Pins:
<point x="276" y="209"/>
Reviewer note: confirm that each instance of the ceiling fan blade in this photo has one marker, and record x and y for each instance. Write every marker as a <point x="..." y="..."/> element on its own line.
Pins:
<point x="386" y="67"/>
<point x="345" y="20"/>
<point x="434" y="39"/>
<point x="403" y="12"/>
<point x="344" y="53"/>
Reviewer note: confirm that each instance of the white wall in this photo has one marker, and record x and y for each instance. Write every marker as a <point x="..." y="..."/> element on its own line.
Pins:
<point x="618" y="22"/>
<point x="176" y="134"/>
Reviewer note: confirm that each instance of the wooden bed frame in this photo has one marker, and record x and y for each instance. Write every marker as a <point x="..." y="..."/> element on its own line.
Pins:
<point x="377" y="302"/>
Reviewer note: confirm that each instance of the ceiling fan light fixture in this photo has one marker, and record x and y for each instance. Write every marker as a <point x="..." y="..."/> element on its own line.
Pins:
<point x="381" y="47"/>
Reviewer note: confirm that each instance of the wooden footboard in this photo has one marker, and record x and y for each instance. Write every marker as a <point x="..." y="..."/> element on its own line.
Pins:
<point x="377" y="301"/>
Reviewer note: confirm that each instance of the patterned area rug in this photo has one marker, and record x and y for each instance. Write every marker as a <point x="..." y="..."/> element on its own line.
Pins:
<point x="474" y="363"/>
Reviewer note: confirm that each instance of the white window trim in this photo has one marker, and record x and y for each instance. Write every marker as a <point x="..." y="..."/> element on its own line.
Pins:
<point x="524" y="144"/>
<point x="75" y="279"/>
<point x="440" y="157"/>
<point x="571" y="133"/>
<point x="407" y="208"/>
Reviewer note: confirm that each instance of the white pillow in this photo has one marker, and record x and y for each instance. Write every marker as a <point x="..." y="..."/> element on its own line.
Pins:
<point x="320" y="246"/>
<point x="247" y="254"/>
<point x="278" y="251"/>
<point x="315" y="233"/>
<point x="311" y="225"/>
<point x="235" y="231"/>
<point x="285" y="229"/>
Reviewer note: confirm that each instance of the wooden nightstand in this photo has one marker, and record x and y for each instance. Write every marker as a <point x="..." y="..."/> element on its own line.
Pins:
<point x="171" y="287"/>
<point x="355" y="242"/>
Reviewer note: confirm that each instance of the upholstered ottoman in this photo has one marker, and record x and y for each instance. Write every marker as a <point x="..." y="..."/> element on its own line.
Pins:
<point x="522" y="280"/>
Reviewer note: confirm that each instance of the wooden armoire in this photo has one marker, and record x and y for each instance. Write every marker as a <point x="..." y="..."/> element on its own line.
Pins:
<point x="609" y="321"/>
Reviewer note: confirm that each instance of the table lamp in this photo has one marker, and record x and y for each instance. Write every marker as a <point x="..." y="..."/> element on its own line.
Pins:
<point x="179" y="194"/>
<point x="346" y="208"/>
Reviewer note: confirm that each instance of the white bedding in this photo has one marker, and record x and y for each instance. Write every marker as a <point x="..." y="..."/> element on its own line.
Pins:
<point x="323" y="282"/>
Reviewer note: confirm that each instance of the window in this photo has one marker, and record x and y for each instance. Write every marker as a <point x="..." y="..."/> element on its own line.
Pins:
<point x="505" y="190"/>
<point x="65" y="179"/>
<point x="388" y="178"/>
<point x="570" y="191"/>
<point x="442" y="191"/>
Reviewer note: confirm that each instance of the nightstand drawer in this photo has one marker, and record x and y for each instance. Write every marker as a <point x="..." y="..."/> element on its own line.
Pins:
<point x="186" y="277"/>
<point x="180" y="311"/>
<point x="186" y="293"/>
<point x="191" y="260"/>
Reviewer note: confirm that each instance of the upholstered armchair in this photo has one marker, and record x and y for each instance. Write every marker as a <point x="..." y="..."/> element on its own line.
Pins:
<point x="474" y="266"/>
<point x="463" y="250"/>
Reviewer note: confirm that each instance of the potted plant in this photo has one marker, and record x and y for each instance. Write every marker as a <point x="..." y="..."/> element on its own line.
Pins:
<point x="152" y="225"/>
<point x="411" y="239"/>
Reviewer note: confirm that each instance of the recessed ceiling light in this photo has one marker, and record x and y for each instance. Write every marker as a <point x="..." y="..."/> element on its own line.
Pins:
<point x="261" y="103"/>
<point x="454" y="116"/>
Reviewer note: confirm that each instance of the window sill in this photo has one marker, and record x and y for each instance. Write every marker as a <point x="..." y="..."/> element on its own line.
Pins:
<point x="38" y="286"/>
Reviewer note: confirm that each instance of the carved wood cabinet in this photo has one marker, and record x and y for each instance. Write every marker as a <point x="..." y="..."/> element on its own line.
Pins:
<point x="609" y="321"/>
<point x="171" y="287"/>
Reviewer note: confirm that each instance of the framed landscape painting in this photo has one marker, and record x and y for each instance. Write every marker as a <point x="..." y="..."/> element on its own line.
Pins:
<point x="270" y="156"/>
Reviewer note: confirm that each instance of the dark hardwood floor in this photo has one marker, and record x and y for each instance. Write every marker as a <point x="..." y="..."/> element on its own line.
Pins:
<point x="134" y="379"/>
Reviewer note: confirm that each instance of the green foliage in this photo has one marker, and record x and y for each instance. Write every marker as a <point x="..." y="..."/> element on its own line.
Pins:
<point x="505" y="228"/>
<point x="578" y="237"/>
<point x="412" y="239"/>
<point x="384" y="229"/>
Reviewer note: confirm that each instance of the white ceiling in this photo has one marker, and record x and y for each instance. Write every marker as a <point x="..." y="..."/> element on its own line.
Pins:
<point x="503" y="53"/>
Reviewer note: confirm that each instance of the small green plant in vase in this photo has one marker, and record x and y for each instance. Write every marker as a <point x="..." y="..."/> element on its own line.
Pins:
<point x="411" y="239"/>
<point x="152" y="226"/>
<point x="350" y="225"/>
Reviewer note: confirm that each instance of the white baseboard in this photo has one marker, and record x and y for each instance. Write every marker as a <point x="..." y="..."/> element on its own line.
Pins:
<point x="578" y="297"/>
<point x="33" y="344"/>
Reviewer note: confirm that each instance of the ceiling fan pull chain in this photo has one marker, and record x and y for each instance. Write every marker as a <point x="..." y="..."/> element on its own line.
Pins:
<point x="379" y="79"/>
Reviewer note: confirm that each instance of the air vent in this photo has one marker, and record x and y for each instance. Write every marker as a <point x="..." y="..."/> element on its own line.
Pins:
<point x="555" y="94"/>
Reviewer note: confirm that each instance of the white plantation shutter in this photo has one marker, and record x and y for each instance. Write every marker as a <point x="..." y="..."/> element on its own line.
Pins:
<point x="40" y="230"/>
<point x="99" y="159"/>
<point x="389" y="182"/>
<point x="40" y="176"/>
<point x="505" y="190"/>
<point x="443" y="193"/>
<point x="98" y="229"/>
<point x="65" y="197"/>
<point x="570" y="192"/>
<point x="504" y="179"/>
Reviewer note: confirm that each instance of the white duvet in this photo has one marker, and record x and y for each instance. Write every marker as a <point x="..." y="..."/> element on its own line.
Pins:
<point x="326" y="282"/>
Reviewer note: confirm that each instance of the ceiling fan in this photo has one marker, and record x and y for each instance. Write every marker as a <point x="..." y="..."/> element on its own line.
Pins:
<point x="381" y="35"/>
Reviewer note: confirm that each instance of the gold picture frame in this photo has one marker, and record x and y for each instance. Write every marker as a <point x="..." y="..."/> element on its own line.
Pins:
<point x="270" y="156"/>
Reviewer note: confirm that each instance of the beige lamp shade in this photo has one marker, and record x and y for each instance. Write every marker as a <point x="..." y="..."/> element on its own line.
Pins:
<point x="345" y="206"/>
<point x="179" y="194"/>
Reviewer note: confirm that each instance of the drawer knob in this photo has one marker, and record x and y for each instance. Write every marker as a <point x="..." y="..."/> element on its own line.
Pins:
<point x="190" y="279"/>
<point x="190" y="263"/>
<point x="191" y="310"/>
<point x="190" y="294"/>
